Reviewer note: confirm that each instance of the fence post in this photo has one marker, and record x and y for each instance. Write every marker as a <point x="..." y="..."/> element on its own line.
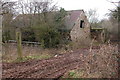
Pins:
<point x="19" y="46"/>
<point x="103" y="36"/>
<point x="0" y="41"/>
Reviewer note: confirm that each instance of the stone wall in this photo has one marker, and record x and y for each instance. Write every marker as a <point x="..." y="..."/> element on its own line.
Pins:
<point x="81" y="34"/>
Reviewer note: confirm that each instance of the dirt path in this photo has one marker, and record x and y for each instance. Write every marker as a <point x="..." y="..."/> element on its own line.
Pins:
<point x="49" y="68"/>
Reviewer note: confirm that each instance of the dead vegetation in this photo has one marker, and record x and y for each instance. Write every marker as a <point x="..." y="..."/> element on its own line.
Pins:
<point x="9" y="52"/>
<point x="101" y="63"/>
<point x="29" y="52"/>
<point x="101" y="60"/>
<point x="98" y="63"/>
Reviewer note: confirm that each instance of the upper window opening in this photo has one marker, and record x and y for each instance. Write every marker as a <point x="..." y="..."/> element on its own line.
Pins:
<point x="81" y="23"/>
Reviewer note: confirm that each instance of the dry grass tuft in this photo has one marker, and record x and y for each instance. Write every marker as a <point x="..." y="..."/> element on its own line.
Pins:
<point x="99" y="63"/>
<point x="103" y="61"/>
<point x="9" y="52"/>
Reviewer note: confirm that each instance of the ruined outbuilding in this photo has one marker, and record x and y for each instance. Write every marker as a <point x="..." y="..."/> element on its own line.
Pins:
<point x="76" y="21"/>
<point x="76" y="24"/>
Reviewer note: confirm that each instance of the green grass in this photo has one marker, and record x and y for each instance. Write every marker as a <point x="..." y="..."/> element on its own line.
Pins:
<point x="26" y="58"/>
<point x="43" y="56"/>
<point x="76" y="73"/>
<point x="71" y="73"/>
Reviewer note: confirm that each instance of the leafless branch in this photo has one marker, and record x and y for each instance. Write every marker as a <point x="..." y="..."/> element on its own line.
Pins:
<point x="113" y="2"/>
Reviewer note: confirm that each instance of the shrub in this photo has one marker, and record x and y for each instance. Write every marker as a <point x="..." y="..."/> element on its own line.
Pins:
<point x="6" y="36"/>
<point x="28" y="34"/>
<point x="48" y="37"/>
<point x="51" y="38"/>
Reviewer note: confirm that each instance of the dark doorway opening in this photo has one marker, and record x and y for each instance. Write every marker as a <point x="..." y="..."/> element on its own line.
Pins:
<point x="81" y="23"/>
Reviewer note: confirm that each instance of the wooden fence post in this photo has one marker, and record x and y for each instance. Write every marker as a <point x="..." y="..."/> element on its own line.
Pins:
<point x="103" y="36"/>
<point x="1" y="41"/>
<point x="19" y="46"/>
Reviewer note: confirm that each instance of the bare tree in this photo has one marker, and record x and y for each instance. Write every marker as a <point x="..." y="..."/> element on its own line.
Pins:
<point x="0" y="37"/>
<point x="35" y="10"/>
<point x="92" y="15"/>
<point x="7" y="17"/>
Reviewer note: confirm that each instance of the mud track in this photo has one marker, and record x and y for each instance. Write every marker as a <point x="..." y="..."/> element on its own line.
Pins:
<point x="48" y="68"/>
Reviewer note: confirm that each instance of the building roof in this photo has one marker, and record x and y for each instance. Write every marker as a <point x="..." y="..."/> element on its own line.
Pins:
<point x="71" y="17"/>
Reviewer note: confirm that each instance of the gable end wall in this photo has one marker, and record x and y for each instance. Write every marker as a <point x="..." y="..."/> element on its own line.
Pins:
<point x="79" y="34"/>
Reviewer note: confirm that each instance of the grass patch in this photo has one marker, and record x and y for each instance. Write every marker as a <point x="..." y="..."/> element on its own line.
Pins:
<point x="78" y="73"/>
<point x="26" y="58"/>
<point x="42" y="56"/>
<point x="71" y="73"/>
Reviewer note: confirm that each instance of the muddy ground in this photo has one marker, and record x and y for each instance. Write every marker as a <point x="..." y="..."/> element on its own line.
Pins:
<point x="47" y="68"/>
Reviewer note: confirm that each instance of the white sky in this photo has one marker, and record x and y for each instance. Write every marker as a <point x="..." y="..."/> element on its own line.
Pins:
<point x="101" y="6"/>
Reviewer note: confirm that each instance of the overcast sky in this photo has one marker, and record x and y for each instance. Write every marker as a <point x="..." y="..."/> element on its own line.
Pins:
<point x="101" y="6"/>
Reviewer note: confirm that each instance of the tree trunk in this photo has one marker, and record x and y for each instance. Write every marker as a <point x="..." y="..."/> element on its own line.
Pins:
<point x="0" y="40"/>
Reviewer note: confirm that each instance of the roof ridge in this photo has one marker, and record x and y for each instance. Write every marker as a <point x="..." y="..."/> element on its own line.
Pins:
<point x="76" y="10"/>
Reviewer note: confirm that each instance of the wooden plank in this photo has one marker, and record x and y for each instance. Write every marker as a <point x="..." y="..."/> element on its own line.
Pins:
<point x="24" y="42"/>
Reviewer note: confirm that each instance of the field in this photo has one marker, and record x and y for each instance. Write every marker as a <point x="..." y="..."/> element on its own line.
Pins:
<point x="44" y="39"/>
<point x="97" y="62"/>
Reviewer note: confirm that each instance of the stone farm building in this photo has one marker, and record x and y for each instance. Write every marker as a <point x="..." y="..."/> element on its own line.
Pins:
<point x="75" y="21"/>
<point x="78" y="24"/>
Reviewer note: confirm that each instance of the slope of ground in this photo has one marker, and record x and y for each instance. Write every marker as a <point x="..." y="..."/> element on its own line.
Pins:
<point x="95" y="63"/>
<point x="48" y="68"/>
